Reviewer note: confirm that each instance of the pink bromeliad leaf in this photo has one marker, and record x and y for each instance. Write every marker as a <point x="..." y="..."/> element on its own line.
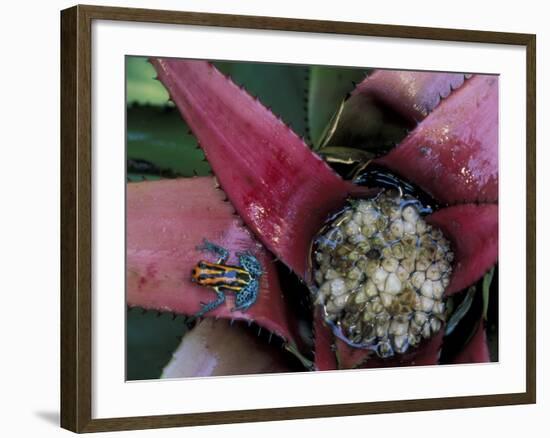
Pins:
<point x="349" y="357"/>
<point x="166" y="221"/>
<point x="476" y="350"/>
<point x="325" y="359"/>
<point x="214" y="348"/>
<point x="473" y="231"/>
<point x="281" y="189"/>
<point x="453" y="153"/>
<point x="412" y="94"/>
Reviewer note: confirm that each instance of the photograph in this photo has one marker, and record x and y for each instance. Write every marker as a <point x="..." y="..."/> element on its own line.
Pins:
<point x="275" y="219"/>
<point x="291" y="218"/>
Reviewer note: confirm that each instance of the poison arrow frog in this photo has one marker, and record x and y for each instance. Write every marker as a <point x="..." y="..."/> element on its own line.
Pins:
<point x="242" y="280"/>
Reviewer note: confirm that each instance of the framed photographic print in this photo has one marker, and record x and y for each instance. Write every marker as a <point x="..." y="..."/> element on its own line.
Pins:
<point x="267" y="218"/>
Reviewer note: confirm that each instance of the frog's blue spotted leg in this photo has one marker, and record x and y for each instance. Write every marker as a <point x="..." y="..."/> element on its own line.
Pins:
<point x="250" y="263"/>
<point x="222" y="253"/>
<point x="247" y="296"/>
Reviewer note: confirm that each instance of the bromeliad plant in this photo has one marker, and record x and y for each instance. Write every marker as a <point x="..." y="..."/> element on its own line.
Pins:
<point x="388" y="219"/>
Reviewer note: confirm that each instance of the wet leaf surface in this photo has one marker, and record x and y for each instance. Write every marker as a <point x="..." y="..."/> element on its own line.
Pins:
<point x="473" y="232"/>
<point x="453" y="153"/>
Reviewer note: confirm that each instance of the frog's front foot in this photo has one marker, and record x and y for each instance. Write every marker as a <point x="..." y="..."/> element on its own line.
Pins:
<point x="222" y="253"/>
<point x="207" y="307"/>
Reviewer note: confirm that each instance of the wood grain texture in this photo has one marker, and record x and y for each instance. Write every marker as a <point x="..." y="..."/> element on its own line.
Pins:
<point x="531" y="215"/>
<point x="69" y="327"/>
<point x="76" y="296"/>
<point x="76" y="334"/>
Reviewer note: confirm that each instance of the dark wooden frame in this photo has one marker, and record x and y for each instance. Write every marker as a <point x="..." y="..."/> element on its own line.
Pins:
<point x="76" y="338"/>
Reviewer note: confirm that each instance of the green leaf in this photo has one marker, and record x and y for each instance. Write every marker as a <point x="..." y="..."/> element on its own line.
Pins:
<point x="160" y="136"/>
<point x="328" y="87"/>
<point x="151" y="337"/>
<point x="141" y="87"/>
<point x="292" y="348"/>
<point x="486" y="286"/>
<point x="461" y="310"/>
<point x="279" y="87"/>
<point x="361" y="122"/>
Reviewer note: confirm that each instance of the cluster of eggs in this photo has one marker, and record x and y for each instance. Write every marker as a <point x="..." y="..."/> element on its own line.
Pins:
<point x="380" y="273"/>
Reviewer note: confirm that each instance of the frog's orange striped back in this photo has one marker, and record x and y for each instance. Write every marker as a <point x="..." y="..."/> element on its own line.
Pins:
<point x="215" y="275"/>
